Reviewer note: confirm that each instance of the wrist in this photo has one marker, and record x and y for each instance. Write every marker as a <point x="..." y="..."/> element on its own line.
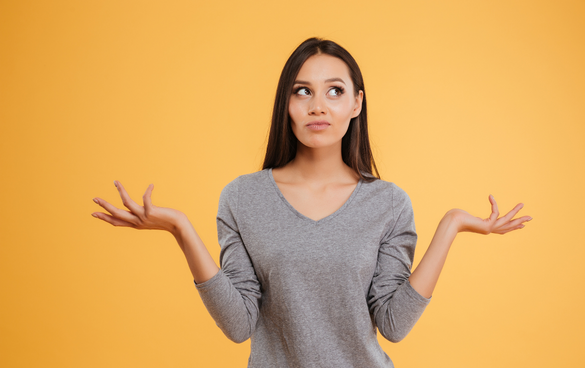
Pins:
<point x="180" y="225"/>
<point x="454" y="219"/>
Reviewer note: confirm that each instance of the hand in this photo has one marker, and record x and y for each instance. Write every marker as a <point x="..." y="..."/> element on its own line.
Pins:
<point x="492" y="224"/>
<point x="147" y="217"/>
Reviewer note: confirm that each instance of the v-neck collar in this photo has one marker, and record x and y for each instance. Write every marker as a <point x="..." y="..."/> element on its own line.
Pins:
<point x="300" y="215"/>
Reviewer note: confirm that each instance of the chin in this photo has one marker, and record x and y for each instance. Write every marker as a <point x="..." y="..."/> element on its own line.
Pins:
<point x="319" y="143"/>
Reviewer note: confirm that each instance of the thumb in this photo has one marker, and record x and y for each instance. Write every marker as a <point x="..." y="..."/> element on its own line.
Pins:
<point x="146" y="197"/>
<point x="495" y="212"/>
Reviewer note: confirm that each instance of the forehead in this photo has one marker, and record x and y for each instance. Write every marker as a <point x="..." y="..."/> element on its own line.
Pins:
<point x="321" y="67"/>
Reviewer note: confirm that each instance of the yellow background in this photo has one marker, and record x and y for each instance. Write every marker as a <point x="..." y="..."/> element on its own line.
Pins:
<point x="466" y="99"/>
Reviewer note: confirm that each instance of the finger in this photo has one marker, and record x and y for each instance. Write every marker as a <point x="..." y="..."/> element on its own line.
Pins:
<point x="511" y="214"/>
<point x="495" y="213"/>
<point x="146" y="198"/>
<point x="116" y="212"/>
<point x="514" y="223"/>
<point x="507" y="230"/>
<point x="112" y="220"/>
<point x="127" y="201"/>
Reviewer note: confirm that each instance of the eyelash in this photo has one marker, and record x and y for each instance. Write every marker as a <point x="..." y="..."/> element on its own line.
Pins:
<point x="340" y="89"/>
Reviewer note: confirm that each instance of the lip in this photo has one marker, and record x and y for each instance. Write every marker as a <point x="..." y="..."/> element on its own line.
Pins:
<point x="318" y="125"/>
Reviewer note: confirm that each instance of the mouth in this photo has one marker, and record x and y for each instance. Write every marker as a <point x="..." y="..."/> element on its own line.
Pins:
<point x="317" y="125"/>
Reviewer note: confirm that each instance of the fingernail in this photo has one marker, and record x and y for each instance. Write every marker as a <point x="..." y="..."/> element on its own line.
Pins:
<point x="94" y="215"/>
<point x="530" y="219"/>
<point x="96" y="201"/>
<point x="116" y="184"/>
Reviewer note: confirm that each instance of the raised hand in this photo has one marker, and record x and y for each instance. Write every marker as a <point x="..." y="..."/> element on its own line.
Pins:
<point x="425" y="276"/>
<point x="492" y="224"/>
<point x="148" y="216"/>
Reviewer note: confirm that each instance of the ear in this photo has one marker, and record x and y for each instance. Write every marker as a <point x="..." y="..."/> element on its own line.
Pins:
<point x="358" y="104"/>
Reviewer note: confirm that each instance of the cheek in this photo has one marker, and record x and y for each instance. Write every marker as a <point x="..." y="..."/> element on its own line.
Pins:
<point x="343" y="110"/>
<point x="295" y="112"/>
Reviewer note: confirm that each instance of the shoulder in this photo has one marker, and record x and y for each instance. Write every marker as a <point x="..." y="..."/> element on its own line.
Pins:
<point x="385" y="196"/>
<point x="253" y="178"/>
<point x="246" y="183"/>
<point x="387" y="190"/>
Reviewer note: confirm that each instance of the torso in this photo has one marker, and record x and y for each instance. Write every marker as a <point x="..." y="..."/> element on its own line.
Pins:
<point x="315" y="285"/>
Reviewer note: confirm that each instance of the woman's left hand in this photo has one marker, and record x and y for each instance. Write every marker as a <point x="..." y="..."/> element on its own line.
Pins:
<point x="492" y="224"/>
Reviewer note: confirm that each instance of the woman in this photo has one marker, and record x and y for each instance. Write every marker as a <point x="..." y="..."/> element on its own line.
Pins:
<point x="316" y="250"/>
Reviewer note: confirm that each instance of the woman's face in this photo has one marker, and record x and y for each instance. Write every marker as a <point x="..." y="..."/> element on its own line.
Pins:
<point x="323" y="102"/>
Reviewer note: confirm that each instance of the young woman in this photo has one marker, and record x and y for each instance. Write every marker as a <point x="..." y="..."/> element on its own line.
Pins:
<point x="316" y="249"/>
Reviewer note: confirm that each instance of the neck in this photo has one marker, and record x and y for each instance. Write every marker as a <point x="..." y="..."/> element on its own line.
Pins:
<point x="323" y="164"/>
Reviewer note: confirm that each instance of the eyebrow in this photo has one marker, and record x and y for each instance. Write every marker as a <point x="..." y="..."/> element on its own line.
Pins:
<point x="326" y="81"/>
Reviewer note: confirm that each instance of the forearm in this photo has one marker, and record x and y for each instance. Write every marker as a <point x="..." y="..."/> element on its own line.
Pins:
<point x="200" y="262"/>
<point x="425" y="276"/>
<point x="231" y="298"/>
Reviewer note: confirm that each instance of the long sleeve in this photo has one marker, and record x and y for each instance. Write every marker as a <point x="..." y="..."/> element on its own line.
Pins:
<point x="395" y="305"/>
<point x="232" y="296"/>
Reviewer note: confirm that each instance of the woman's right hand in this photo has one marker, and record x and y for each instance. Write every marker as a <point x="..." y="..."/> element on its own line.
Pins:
<point x="148" y="216"/>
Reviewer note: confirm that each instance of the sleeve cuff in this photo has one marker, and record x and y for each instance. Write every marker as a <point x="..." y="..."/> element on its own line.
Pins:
<point x="414" y="294"/>
<point x="204" y="286"/>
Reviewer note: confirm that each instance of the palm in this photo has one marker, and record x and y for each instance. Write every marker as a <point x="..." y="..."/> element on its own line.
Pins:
<point x="492" y="224"/>
<point x="148" y="216"/>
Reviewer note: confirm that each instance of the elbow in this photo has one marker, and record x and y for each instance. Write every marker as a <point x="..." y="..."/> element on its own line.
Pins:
<point x="238" y="338"/>
<point x="393" y="336"/>
<point x="393" y="328"/>
<point x="237" y="335"/>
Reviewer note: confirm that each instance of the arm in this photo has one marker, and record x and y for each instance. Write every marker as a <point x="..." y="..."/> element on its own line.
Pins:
<point x="398" y="298"/>
<point x="232" y="294"/>
<point x="151" y="217"/>
<point x="202" y="265"/>
<point x="394" y="304"/>
<point x="425" y="277"/>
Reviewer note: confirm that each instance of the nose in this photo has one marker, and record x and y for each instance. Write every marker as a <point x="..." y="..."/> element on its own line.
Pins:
<point x="317" y="105"/>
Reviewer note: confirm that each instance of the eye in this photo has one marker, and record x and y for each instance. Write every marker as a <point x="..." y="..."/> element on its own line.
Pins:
<point x="303" y="91"/>
<point x="336" y="91"/>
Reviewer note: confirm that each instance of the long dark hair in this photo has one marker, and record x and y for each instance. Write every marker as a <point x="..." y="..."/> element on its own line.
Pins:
<point x="355" y="144"/>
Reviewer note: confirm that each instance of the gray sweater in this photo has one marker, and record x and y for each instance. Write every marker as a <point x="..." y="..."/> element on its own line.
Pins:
<point x="312" y="293"/>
